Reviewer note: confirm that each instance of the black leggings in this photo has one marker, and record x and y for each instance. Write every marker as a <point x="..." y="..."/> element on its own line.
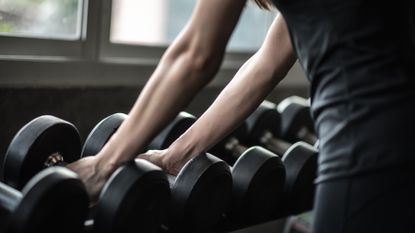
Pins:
<point x="382" y="201"/>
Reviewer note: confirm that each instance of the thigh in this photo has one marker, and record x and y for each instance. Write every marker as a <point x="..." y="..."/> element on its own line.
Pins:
<point x="382" y="201"/>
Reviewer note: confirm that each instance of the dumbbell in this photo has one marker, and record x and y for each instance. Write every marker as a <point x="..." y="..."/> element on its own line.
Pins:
<point x="136" y="193"/>
<point x="296" y="121"/>
<point x="263" y="126"/>
<point x="53" y="200"/>
<point x="258" y="179"/>
<point x="300" y="159"/>
<point x="103" y="131"/>
<point x="200" y="192"/>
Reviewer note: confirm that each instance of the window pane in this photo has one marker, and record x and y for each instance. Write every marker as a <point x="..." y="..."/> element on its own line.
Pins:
<point x="60" y="19"/>
<point x="157" y="22"/>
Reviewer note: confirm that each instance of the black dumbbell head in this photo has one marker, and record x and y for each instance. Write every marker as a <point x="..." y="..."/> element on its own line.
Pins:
<point x="136" y="198"/>
<point x="295" y="114"/>
<point x="55" y="200"/>
<point x="258" y="184"/>
<point x="300" y="162"/>
<point x="101" y="133"/>
<point x="200" y="194"/>
<point x="264" y="118"/>
<point x="34" y="144"/>
<point x="137" y="194"/>
<point x="177" y="127"/>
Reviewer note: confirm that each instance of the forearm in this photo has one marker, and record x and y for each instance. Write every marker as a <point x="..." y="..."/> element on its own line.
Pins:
<point x="253" y="82"/>
<point x="172" y="86"/>
<point x="239" y="99"/>
<point x="189" y="63"/>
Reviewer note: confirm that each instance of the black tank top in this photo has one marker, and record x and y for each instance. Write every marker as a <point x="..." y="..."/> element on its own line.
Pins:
<point x="359" y="56"/>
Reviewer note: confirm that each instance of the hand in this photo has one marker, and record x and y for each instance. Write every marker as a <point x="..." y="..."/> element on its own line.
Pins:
<point x="94" y="178"/>
<point x="166" y="159"/>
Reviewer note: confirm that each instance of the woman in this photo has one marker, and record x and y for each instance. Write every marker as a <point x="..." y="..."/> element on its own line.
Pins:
<point x="358" y="56"/>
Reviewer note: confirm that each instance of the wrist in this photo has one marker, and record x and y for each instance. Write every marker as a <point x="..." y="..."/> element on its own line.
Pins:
<point x="182" y="150"/>
<point x="108" y="160"/>
<point x="105" y="167"/>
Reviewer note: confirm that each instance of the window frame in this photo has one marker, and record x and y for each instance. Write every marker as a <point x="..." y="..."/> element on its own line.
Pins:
<point x="35" y="61"/>
<point x="147" y="54"/>
<point x="93" y="44"/>
<point x="16" y="47"/>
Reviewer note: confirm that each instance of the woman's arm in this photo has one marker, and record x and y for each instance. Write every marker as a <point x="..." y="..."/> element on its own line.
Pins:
<point x="252" y="83"/>
<point x="189" y="64"/>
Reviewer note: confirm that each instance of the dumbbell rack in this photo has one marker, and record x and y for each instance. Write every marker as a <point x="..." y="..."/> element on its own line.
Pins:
<point x="46" y="123"/>
<point x="274" y="226"/>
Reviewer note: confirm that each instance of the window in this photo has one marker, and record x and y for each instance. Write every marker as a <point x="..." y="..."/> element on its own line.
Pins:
<point x="105" y="41"/>
<point x="122" y="31"/>
<point x="157" y="22"/>
<point x="58" y="19"/>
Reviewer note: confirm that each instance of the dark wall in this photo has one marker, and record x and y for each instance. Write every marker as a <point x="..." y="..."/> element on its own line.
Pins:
<point x="84" y="107"/>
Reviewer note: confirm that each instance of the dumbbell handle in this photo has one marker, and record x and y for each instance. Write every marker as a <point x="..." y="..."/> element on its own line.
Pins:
<point x="305" y="135"/>
<point x="55" y="159"/>
<point x="9" y="199"/>
<point x="274" y="144"/>
<point x="235" y="147"/>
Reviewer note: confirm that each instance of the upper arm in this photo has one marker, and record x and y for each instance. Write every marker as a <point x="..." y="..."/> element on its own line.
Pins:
<point x="276" y="52"/>
<point x="210" y="26"/>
